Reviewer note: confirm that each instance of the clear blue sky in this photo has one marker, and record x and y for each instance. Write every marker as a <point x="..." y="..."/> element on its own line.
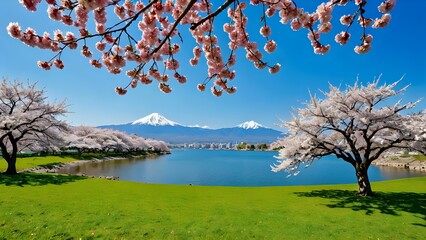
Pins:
<point x="397" y="50"/>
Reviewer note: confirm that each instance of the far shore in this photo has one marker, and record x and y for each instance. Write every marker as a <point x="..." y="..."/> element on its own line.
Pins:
<point x="407" y="162"/>
<point x="55" y="168"/>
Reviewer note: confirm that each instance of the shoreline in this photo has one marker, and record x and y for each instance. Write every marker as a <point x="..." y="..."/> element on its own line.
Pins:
<point x="57" y="167"/>
<point x="408" y="163"/>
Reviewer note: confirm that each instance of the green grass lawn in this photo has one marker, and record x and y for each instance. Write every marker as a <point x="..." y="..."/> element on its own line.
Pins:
<point x="37" y="206"/>
<point x="30" y="162"/>
<point x="418" y="157"/>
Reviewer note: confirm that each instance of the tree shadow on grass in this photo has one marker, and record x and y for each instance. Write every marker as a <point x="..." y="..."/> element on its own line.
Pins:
<point x="37" y="179"/>
<point x="384" y="202"/>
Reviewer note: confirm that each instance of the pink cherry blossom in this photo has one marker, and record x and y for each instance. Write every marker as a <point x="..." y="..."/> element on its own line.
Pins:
<point x="54" y="13"/>
<point x="216" y="92"/>
<point x="386" y="6"/>
<point x="270" y="12"/>
<point x="30" y="4"/>
<point x="120" y="11"/>
<point x="171" y="64"/>
<point x="86" y="52"/>
<point x="364" y="22"/>
<point x="14" y="30"/>
<point x="346" y="20"/>
<point x="276" y="68"/>
<point x="342" y="2"/>
<point x="368" y="38"/>
<point x="164" y="88"/>
<point x="270" y="46"/>
<point x="145" y="79"/>
<point x="44" y="65"/>
<point x="201" y="87"/>
<point x="265" y="31"/>
<point x="363" y="48"/>
<point x="160" y="24"/>
<point x="322" y="49"/>
<point x="132" y="73"/>
<point x="382" y="22"/>
<point x="134" y="83"/>
<point x="193" y="61"/>
<point x="197" y="51"/>
<point x="295" y="25"/>
<point x="231" y="90"/>
<point x="58" y="63"/>
<point x="120" y="91"/>
<point x="358" y="2"/>
<point x="342" y="38"/>
<point x="324" y="28"/>
<point x="100" y="46"/>
<point x="324" y="11"/>
<point x="181" y="79"/>
<point x="82" y="15"/>
<point x="67" y="20"/>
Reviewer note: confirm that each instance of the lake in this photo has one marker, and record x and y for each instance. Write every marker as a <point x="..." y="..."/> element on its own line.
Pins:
<point x="230" y="168"/>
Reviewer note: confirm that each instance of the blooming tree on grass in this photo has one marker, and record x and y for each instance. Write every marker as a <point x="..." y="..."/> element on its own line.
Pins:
<point x="143" y="38"/>
<point x="355" y="125"/>
<point x="27" y="120"/>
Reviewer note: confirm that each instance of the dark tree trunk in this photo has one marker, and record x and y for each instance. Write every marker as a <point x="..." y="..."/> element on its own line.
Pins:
<point x="9" y="157"/>
<point x="363" y="181"/>
<point x="11" y="167"/>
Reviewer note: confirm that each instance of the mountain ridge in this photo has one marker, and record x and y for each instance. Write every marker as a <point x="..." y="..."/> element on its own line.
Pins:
<point x="158" y="127"/>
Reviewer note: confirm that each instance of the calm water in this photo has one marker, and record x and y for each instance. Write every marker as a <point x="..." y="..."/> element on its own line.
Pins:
<point x="230" y="168"/>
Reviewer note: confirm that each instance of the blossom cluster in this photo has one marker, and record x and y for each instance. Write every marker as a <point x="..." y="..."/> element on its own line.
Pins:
<point x="86" y="138"/>
<point x="154" y="54"/>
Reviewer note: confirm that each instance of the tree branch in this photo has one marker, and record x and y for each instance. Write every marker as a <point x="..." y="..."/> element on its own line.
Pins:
<point x="212" y="15"/>
<point x="182" y="15"/>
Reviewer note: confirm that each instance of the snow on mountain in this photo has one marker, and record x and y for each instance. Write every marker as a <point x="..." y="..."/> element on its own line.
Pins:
<point x="155" y="119"/>
<point x="250" y="125"/>
<point x="158" y="127"/>
<point x="198" y="126"/>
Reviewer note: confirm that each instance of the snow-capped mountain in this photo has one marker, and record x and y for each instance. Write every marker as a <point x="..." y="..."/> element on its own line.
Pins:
<point x="198" y="126"/>
<point x="155" y="119"/>
<point x="250" y="125"/>
<point x="158" y="127"/>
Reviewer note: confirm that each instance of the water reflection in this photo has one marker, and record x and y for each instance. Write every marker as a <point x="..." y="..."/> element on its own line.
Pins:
<point x="103" y="167"/>
<point x="387" y="172"/>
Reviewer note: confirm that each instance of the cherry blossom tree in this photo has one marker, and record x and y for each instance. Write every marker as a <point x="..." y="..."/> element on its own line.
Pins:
<point x="92" y="139"/>
<point x="144" y="37"/>
<point x="27" y="120"/>
<point x="356" y="125"/>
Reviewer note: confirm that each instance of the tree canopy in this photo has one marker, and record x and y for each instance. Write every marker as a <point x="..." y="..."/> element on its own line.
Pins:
<point x="27" y="120"/>
<point x="113" y="42"/>
<point x="356" y="125"/>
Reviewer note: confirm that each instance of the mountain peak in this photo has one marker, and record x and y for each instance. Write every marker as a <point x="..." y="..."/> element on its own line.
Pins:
<point x="155" y="119"/>
<point x="250" y="125"/>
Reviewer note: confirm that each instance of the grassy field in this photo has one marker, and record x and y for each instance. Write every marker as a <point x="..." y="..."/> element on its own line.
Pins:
<point x="418" y="157"/>
<point x="37" y="206"/>
<point x="30" y="162"/>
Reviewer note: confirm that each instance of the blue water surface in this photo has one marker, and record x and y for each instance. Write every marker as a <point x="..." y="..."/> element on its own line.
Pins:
<point x="231" y="168"/>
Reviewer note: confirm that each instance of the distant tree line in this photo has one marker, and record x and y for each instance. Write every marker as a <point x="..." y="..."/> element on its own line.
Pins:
<point x="252" y="147"/>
